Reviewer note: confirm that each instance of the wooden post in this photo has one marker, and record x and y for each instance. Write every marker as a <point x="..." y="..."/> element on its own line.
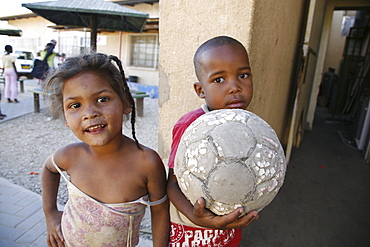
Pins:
<point x="140" y="106"/>
<point x="36" y="102"/>
<point x="21" y="84"/>
<point x="94" y="31"/>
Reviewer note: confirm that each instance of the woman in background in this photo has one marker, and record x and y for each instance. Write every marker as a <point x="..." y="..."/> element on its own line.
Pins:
<point x="10" y="75"/>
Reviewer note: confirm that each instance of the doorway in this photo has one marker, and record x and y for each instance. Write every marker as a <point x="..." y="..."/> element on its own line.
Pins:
<point x="345" y="86"/>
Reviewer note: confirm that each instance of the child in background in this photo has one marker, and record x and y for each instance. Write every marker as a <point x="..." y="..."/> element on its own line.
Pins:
<point x="112" y="177"/>
<point x="225" y="82"/>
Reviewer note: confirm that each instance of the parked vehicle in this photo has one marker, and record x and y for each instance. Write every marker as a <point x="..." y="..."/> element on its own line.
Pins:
<point x="24" y="62"/>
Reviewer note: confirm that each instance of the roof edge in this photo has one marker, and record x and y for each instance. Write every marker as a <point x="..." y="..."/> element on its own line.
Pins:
<point x="20" y="16"/>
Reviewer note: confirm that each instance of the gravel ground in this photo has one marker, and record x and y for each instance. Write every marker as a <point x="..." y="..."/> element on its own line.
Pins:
<point x="28" y="140"/>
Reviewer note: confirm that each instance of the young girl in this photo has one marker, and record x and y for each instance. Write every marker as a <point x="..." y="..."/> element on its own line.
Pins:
<point x="112" y="177"/>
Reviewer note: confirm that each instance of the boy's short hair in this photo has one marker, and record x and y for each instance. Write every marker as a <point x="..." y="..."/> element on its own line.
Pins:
<point x="212" y="43"/>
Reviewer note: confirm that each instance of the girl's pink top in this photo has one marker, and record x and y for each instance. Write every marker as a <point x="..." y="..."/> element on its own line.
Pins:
<point x="88" y="222"/>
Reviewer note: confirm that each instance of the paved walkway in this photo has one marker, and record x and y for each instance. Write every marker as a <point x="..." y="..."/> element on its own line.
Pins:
<point x="14" y="110"/>
<point x="22" y="221"/>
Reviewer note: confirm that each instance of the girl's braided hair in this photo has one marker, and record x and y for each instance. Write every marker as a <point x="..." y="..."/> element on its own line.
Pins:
<point x="99" y="63"/>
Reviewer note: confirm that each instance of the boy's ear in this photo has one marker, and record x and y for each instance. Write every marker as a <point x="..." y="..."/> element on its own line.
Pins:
<point x="199" y="90"/>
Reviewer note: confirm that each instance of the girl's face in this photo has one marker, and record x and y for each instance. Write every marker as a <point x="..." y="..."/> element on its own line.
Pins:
<point x="92" y="109"/>
<point x="225" y="78"/>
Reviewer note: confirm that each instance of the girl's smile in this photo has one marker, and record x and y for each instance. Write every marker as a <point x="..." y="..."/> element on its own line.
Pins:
<point x="96" y="129"/>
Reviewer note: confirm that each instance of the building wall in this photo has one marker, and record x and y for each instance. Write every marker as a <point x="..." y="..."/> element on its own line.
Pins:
<point x="35" y="34"/>
<point x="151" y="9"/>
<point x="147" y="76"/>
<point x="274" y="43"/>
<point x="117" y="44"/>
<point x="269" y="31"/>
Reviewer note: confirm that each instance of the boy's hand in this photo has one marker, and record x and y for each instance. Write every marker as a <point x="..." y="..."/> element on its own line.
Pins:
<point x="53" y="225"/>
<point x="229" y="221"/>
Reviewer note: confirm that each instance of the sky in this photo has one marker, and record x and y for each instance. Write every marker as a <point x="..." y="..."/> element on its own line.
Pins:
<point x="14" y="7"/>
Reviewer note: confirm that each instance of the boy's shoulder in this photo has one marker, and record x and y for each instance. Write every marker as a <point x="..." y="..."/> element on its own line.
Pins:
<point x="190" y="116"/>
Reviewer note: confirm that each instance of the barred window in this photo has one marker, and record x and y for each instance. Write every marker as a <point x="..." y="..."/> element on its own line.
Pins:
<point x="144" y="51"/>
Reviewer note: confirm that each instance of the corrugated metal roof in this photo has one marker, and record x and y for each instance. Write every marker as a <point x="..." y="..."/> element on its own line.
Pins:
<point x="86" y="6"/>
<point x="79" y="13"/>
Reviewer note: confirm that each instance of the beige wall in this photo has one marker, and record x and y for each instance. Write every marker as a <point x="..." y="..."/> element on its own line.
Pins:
<point x="35" y="34"/>
<point x="151" y="9"/>
<point x="274" y="40"/>
<point x="269" y="31"/>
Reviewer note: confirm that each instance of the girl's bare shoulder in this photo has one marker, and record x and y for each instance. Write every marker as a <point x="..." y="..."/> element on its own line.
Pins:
<point x="66" y="156"/>
<point x="150" y="158"/>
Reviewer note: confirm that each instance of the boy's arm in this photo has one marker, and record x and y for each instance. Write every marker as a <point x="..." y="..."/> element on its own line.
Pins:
<point x="50" y="183"/>
<point x="201" y="216"/>
<point x="157" y="190"/>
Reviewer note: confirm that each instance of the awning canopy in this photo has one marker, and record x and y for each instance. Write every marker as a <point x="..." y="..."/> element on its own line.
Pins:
<point x="6" y="29"/>
<point x="94" y="14"/>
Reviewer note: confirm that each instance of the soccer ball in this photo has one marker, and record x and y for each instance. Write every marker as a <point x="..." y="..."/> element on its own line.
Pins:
<point x="232" y="158"/>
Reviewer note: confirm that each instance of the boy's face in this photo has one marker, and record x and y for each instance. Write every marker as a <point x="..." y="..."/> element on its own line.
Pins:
<point x="225" y="78"/>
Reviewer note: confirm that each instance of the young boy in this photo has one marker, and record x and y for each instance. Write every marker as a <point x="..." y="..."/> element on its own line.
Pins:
<point x="225" y="82"/>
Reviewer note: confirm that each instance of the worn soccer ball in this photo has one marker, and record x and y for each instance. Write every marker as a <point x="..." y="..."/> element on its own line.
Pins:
<point x="232" y="158"/>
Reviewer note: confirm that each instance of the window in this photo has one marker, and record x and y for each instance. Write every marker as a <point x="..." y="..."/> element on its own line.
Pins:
<point x="84" y="44"/>
<point x="26" y="55"/>
<point x="144" y="51"/>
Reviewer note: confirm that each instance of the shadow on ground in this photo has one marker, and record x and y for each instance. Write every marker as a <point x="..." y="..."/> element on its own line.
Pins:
<point x="325" y="199"/>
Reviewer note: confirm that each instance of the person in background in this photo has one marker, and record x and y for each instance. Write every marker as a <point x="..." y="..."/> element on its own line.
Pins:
<point x="54" y="42"/>
<point x="10" y="75"/>
<point x="49" y="53"/>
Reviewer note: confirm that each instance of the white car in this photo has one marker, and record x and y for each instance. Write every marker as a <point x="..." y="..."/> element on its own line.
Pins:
<point x="24" y="62"/>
